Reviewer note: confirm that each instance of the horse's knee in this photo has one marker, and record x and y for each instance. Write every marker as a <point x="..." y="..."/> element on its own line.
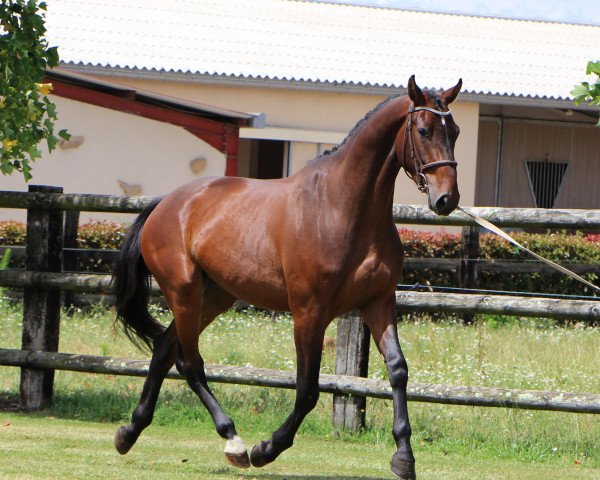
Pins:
<point x="191" y="367"/>
<point x="398" y="372"/>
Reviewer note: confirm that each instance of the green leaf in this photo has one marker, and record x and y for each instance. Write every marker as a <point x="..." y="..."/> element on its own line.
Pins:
<point x="593" y="67"/>
<point x="581" y="90"/>
<point x="52" y="141"/>
<point x="34" y="153"/>
<point x="52" y="54"/>
<point x="6" y="168"/>
<point x="26" y="117"/>
<point x="64" y="134"/>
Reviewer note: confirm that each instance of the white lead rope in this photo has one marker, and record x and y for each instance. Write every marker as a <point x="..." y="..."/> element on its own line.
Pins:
<point x="493" y="228"/>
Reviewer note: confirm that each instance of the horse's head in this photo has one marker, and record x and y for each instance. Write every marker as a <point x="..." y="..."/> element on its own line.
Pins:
<point x="426" y="144"/>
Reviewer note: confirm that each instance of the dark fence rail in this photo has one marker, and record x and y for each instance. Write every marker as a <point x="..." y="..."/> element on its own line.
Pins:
<point x="74" y="201"/>
<point x="410" y="263"/>
<point x="413" y="301"/>
<point x="407" y="214"/>
<point x="43" y="283"/>
<point x="336" y="384"/>
<point x="502" y="217"/>
<point x="17" y="252"/>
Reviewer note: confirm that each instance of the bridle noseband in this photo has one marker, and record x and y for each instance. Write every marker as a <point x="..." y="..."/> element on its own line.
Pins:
<point x="421" y="167"/>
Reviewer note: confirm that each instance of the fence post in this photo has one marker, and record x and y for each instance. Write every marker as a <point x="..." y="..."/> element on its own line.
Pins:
<point x="70" y="260"/>
<point x="468" y="268"/>
<point x="41" y="307"/>
<point x="351" y="358"/>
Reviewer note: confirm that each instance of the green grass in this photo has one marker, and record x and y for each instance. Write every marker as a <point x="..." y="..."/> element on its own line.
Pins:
<point x="450" y="441"/>
<point x="38" y="447"/>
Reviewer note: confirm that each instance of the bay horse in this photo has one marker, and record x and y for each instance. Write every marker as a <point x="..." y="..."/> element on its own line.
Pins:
<point x="318" y="243"/>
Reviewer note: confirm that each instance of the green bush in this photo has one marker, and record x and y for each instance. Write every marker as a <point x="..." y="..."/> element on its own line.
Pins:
<point x="440" y="244"/>
<point x="558" y="247"/>
<point x="430" y="244"/>
<point x="93" y="235"/>
<point x="102" y="235"/>
<point x="12" y="233"/>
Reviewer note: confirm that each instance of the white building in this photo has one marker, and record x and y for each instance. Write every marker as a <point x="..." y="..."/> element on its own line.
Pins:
<point x="315" y="69"/>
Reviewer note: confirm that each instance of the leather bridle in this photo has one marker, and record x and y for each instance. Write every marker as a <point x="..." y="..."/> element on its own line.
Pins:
<point x="420" y="167"/>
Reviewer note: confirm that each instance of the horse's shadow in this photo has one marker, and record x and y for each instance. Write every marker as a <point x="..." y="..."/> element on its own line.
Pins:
<point x="282" y="476"/>
<point x="278" y="476"/>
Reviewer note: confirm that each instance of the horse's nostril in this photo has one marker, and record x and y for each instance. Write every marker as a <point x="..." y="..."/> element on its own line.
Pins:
<point x="442" y="203"/>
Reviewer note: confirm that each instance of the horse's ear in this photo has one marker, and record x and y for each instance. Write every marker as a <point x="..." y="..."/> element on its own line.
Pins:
<point x="450" y="95"/>
<point x="415" y="93"/>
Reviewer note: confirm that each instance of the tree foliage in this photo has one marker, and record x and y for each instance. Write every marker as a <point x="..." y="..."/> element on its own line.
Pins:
<point x="589" y="92"/>
<point x="27" y="115"/>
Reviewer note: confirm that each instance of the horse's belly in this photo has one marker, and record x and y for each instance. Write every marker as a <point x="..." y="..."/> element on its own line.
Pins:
<point x="257" y="281"/>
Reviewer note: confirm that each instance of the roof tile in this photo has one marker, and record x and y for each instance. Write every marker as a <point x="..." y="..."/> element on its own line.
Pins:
<point x="324" y="43"/>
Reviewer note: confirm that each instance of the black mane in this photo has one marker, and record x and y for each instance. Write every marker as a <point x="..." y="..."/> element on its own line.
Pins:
<point x="432" y="94"/>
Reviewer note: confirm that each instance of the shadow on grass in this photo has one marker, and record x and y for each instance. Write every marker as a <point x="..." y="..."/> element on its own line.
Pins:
<point x="116" y="406"/>
<point x="9" y="403"/>
<point x="316" y="477"/>
<point x="96" y="406"/>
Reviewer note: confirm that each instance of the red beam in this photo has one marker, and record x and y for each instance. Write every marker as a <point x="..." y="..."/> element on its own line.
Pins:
<point x="201" y="127"/>
<point x="232" y="141"/>
<point x="222" y="136"/>
<point x="215" y="141"/>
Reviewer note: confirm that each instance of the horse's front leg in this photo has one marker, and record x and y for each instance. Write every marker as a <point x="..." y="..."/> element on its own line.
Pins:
<point x="380" y="316"/>
<point x="309" y="330"/>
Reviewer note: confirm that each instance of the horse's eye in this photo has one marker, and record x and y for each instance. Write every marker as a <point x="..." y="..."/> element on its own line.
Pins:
<point x="422" y="131"/>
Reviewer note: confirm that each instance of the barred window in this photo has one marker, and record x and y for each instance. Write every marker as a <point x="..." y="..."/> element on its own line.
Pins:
<point x="545" y="178"/>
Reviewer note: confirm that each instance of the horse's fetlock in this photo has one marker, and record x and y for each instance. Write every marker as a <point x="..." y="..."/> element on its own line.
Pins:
<point x="225" y="428"/>
<point x="402" y="433"/>
<point x="141" y="418"/>
<point x="279" y="443"/>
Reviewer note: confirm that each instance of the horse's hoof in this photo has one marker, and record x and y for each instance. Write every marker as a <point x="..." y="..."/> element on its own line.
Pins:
<point x="402" y="469"/>
<point x="122" y="445"/>
<point x="236" y="453"/>
<point x="256" y="455"/>
<point x="239" y="460"/>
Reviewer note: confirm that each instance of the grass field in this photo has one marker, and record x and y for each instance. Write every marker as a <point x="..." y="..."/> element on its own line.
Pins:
<point x="74" y="437"/>
<point x="37" y="447"/>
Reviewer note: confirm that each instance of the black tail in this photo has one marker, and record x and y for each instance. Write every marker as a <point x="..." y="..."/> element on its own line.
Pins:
<point x="131" y="287"/>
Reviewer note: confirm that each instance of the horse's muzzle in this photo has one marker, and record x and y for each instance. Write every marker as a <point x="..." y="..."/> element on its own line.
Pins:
<point x="444" y="204"/>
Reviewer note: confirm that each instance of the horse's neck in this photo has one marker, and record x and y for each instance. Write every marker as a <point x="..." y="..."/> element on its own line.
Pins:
<point x="366" y="170"/>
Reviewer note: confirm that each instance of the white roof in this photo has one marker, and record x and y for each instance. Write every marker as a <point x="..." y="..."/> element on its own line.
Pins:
<point x="323" y="44"/>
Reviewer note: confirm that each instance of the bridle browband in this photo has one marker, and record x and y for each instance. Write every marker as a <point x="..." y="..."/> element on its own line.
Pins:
<point x="421" y="167"/>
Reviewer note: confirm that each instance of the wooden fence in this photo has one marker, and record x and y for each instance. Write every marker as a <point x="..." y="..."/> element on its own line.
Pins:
<point x="43" y="278"/>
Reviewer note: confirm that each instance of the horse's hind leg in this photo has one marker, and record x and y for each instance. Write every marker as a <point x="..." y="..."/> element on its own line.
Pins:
<point x="163" y="358"/>
<point x="187" y="306"/>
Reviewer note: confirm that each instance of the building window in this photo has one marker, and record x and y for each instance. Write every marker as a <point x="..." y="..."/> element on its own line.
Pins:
<point x="545" y="179"/>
